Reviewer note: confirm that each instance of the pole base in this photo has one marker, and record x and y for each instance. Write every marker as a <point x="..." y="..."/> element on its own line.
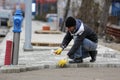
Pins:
<point x="27" y="47"/>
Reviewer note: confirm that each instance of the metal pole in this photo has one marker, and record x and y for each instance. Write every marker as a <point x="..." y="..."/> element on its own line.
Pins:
<point x="16" y="38"/>
<point x="0" y="22"/>
<point x="15" y="54"/>
<point x="28" y="25"/>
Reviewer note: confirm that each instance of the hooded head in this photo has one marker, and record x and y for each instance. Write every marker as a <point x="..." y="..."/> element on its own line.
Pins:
<point x="70" y="23"/>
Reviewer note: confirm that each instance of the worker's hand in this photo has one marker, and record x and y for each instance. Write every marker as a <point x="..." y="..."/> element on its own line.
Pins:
<point x="58" y="51"/>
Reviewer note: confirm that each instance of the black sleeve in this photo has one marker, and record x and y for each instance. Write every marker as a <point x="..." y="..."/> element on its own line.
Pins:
<point x="76" y="44"/>
<point x="66" y="40"/>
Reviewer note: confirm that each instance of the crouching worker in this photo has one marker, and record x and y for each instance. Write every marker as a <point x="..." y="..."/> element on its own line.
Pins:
<point x="85" y="41"/>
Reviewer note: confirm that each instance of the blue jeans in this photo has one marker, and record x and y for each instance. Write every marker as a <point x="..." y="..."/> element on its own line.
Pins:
<point x="84" y="48"/>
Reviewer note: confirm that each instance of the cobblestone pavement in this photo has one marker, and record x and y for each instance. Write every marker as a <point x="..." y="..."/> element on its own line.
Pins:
<point x="42" y="57"/>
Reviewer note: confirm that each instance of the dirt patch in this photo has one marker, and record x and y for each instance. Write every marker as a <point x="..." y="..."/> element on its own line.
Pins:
<point x="113" y="45"/>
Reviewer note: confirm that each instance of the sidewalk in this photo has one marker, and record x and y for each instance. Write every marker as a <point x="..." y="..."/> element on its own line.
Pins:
<point x="42" y="57"/>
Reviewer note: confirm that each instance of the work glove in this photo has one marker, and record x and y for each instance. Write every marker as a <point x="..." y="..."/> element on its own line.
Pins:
<point x="62" y="62"/>
<point x="58" y="51"/>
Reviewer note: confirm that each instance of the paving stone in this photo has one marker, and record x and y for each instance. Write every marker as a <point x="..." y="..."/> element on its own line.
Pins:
<point x="44" y="58"/>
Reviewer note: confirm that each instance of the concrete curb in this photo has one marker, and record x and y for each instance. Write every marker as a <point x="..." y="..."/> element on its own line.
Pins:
<point x="24" y="68"/>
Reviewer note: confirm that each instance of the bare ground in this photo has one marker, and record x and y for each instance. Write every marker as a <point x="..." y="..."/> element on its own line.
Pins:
<point x="113" y="45"/>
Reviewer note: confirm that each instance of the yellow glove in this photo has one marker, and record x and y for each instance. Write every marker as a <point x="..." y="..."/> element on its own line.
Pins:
<point x="58" y="51"/>
<point x="62" y="62"/>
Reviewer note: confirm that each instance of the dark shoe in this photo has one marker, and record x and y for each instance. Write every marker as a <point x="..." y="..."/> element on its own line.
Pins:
<point x="77" y="60"/>
<point x="93" y="55"/>
<point x="92" y="60"/>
